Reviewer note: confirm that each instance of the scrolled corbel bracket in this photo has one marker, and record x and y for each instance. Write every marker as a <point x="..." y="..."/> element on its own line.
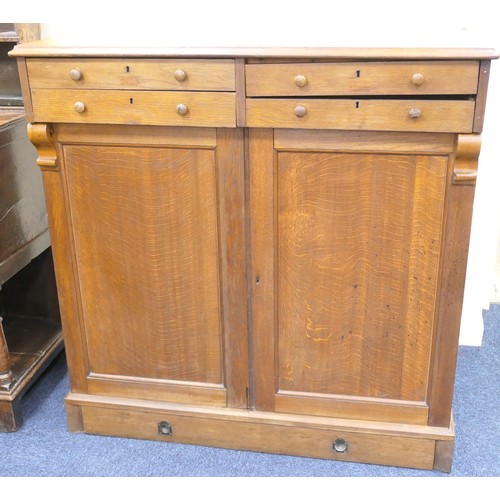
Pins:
<point x="41" y="136"/>
<point x="467" y="151"/>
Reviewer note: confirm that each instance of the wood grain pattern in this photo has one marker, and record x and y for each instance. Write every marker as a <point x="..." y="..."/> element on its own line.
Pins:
<point x="5" y="371"/>
<point x="363" y="141"/>
<point x="148" y="261"/>
<point x="261" y="157"/>
<point x="25" y="89"/>
<point x="362" y="78"/>
<point x="455" y="249"/>
<point x="357" y="233"/>
<point x="135" y="107"/>
<point x="314" y="295"/>
<point x="154" y="74"/>
<point x="53" y="48"/>
<point x="340" y="406"/>
<point x="482" y="91"/>
<point x="233" y="248"/>
<point x="408" y="446"/>
<point x="123" y="135"/>
<point x="67" y="285"/>
<point x="361" y="114"/>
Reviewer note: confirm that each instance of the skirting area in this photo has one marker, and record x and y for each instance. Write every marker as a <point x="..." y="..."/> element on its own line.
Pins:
<point x="43" y="447"/>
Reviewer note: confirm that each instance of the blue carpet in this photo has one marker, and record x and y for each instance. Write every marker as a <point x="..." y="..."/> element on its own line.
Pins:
<point x="43" y="447"/>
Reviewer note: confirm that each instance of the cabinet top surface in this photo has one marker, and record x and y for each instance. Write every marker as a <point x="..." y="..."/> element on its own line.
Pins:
<point x="51" y="48"/>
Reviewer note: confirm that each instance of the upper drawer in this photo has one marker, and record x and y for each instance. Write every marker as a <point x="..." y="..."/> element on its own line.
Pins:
<point x="149" y="74"/>
<point x="363" y="78"/>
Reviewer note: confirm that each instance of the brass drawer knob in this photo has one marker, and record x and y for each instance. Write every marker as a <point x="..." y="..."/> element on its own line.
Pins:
<point x="180" y="75"/>
<point x="79" y="107"/>
<point x="181" y="109"/>
<point x="300" y="111"/>
<point x="300" y="81"/>
<point x="75" y="74"/>
<point x="415" y="113"/>
<point x="417" y="79"/>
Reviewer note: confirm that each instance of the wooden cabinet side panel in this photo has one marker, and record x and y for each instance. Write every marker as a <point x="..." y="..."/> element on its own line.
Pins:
<point x="455" y="252"/>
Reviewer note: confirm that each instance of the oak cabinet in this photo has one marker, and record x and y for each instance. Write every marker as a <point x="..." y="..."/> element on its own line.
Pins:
<point x="261" y="250"/>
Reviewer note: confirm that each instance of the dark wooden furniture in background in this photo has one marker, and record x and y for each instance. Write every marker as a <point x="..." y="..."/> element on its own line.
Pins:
<point x="30" y="326"/>
<point x="261" y="249"/>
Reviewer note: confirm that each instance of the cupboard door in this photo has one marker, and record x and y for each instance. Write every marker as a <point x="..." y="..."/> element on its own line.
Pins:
<point x="158" y="248"/>
<point x="346" y="234"/>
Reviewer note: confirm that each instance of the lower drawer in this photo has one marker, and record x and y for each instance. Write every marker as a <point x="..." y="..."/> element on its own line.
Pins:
<point x="337" y="439"/>
<point x="195" y="109"/>
<point x="362" y="114"/>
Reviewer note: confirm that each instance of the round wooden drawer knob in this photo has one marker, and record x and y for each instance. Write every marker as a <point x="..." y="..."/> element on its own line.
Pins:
<point x="417" y="79"/>
<point x="181" y="109"/>
<point x="300" y="111"/>
<point x="415" y="113"/>
<point x="300" y="81"/>
<point x="75" y="74"/>
<point x="79" y="107"/>
<point x="180" y="75"/>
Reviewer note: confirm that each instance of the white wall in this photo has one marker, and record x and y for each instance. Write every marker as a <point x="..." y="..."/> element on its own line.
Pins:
<point x="381" y="23"/>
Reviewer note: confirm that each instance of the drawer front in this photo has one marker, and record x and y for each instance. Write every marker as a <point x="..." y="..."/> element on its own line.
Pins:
<point x="362" y="114"/>
<point x="154" y="74"/>
<point x="372" y="78"/>
<point x="195" y="109"/>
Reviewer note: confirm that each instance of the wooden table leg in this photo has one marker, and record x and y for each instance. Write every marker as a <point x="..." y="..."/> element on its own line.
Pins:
<point x="5" y="373"/>
<point x="7" y="417"/>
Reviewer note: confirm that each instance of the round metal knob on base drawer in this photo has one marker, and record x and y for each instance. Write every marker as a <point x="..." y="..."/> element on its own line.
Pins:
<point x="417" y="79"/>
<point x="181" y="109"/>
<point x="75" y="74"/>
<point x="180" y="75"/>
<point x="300" y="81"/>
<point x="300" y="111"/>
<point x="340" y="445"/>
<point x="79" y="106"/>
<point x="414" y="113"/>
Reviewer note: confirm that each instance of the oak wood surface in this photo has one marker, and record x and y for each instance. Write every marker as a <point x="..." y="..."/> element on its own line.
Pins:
<point x="133" y="74"/>
<point x="135" y="107"/>
<point x="53" y="48"/>
<point x="455" y="246"/>
<point x="395" y="444"/>
<point x="163" y="202"/>
<point x="191" y="185"/>
<point x="356" y="239"/>
<point x="372" y="78"/>
<point x="266" y="273"/>
<point x="361" y="114"/>
<point x="304" y="441"/>
<point x="482" y="91"/>
<point x="363" y="141"/>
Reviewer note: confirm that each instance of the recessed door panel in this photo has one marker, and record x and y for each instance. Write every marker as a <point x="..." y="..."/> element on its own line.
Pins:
<point x="145" y="228"/>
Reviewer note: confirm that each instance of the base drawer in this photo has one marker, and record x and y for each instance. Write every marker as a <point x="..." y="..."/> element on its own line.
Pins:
<point x="362" y="114"/>
<point x="336" y="439"/>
